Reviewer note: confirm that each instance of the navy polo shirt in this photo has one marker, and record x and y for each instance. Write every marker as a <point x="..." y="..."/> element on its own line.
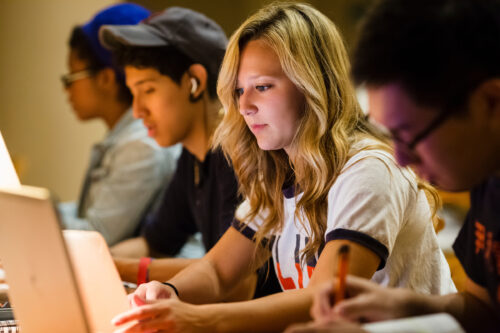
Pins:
<point x="202" y="196"/>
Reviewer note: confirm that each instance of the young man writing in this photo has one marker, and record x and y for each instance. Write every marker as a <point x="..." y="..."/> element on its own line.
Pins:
<point x="433" y="76"/>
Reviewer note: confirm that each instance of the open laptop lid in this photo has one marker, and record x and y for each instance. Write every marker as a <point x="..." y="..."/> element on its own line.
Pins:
<point x="8" y="175"/>
<point x="42" y="287"/>
<point x="103" y="294"/>
<point x="58" y="282"/>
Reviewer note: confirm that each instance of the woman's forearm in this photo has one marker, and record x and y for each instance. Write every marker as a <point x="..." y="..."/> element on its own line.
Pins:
<point x="229" y="265"/>
<point x="199" y="284"/>
<point x="267" y="314"/>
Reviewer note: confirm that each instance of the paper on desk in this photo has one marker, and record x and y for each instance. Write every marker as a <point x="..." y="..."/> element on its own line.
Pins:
<point x="436" y="323"/>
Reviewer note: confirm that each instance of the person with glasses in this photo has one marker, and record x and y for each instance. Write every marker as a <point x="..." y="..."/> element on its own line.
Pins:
<point x="432" y="71"/>
<point x="127" y="168"/>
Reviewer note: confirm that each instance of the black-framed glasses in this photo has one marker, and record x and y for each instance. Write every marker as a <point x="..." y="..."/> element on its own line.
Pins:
<point x="68" y="79"/>
<point x="406" y="148"/>
<point x="438" y="121"/>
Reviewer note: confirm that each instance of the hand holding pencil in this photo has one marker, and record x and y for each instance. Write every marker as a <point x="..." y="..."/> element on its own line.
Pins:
<point x="343" y="268"/>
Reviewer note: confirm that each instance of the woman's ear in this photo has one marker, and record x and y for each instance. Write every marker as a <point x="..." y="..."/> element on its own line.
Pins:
<point x="200" y="75"/>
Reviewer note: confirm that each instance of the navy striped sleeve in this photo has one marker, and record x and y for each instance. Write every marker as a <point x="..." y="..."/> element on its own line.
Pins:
<point x="249" y="233"/>
<point x="362" y="239"/>
<point x="244" y="229"/>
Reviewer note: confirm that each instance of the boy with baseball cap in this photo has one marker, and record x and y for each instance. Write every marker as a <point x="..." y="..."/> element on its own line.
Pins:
<point x="171" y="62"/>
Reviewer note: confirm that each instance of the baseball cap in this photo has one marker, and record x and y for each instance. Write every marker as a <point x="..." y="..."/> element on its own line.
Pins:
<point x="125" y="13"/>
<point x="192" y="33"/>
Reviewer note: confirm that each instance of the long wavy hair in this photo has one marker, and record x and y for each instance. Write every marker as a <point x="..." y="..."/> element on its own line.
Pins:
<point x="312" y="55"/>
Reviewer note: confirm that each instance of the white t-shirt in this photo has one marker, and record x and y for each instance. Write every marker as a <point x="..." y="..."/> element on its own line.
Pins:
<point x="374" y="203"/>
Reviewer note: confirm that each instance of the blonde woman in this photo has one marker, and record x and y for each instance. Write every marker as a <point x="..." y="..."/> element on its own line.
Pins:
<point x="315" y="177"/>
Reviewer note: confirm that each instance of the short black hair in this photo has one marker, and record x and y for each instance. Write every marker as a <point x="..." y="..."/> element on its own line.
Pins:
<point x="79" y="43"/>
<point x="437" y="50"/>
<point x="167" y="60"/>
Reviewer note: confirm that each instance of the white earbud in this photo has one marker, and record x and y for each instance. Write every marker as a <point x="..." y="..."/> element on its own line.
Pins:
<point x="194" y="85"/>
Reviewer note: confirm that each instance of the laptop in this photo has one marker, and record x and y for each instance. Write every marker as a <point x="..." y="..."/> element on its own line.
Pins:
<point x="59" y="281"/>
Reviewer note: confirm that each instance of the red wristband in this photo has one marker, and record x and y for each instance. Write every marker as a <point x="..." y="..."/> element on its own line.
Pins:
<point x="143" y="272"/>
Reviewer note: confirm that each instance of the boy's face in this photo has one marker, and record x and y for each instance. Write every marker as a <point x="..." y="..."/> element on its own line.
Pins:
<point x="456" y="155"/>
<point x="83" y="94"/>
<point x="161" y="103"/>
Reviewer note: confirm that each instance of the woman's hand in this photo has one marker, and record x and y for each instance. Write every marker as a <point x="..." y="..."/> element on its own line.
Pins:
<point x="151" y="291"/>
<point x="322" y="308"/>
<point x="166" y="315"/>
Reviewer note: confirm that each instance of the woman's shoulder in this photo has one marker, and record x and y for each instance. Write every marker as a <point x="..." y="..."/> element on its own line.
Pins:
<point x="370" y="151"/>
<point x="371" y="166"/>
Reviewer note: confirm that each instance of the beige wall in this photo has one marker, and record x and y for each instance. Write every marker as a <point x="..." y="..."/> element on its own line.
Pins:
<point x="49" y="145"/>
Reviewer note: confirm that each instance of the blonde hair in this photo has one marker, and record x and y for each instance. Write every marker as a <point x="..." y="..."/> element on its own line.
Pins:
<point x="312" y="55"/>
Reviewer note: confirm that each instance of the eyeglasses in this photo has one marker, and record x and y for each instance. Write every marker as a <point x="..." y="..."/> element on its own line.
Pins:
<point x="406" y="149"/>
<point x="68" y="79"/>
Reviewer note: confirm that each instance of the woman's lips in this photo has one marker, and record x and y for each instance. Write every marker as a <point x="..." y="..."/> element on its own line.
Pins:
<point x="257" y="127"/>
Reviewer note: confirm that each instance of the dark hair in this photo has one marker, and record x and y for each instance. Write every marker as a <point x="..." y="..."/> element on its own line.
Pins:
<point x="438" y="50"/>
<point x="79" y="43"/>
<point x="167" y="60"/>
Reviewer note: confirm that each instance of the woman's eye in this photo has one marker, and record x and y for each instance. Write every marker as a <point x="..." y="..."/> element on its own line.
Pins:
<point x="238" y="91"/>
<point x="263" y="87"/>
<point x="149" y="91"/>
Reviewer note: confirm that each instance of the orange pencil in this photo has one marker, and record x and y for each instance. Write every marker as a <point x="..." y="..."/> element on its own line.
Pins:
<point x="342" y="273"/>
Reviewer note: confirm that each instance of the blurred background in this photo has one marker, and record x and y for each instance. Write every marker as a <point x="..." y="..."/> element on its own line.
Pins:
<point x="50" y="147"/>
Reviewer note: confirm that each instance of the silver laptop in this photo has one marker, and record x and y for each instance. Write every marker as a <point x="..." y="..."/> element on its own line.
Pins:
<point x="58" y="281"/>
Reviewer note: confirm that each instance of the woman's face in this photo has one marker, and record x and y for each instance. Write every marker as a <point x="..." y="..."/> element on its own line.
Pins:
<point x="270" y="103"/>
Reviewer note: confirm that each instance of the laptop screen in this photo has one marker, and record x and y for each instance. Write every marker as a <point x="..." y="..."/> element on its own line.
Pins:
<point x="8" y="175"/>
